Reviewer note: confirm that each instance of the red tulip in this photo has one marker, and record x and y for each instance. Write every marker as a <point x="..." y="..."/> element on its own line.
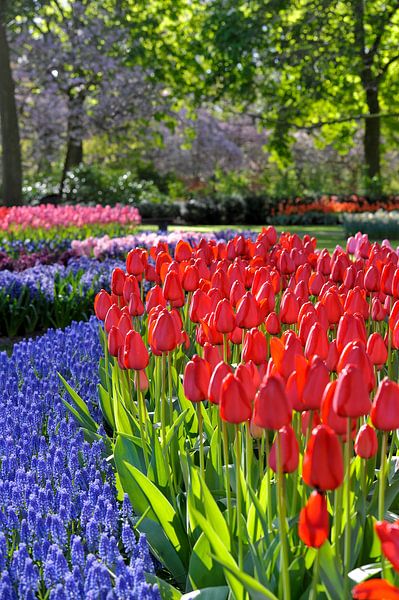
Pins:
<point x="377" y="350"/>
<point x="317" y="342"/>
<point x="272" y="324"/>
<point x="183" y="251"/>
<point x="248" y="313"/>
<point x="216" y="380"/>
<point x="225" y="320"/>
<point x="117" y="281"/>
<point x="375" y="589"/>
<point x="313" y="525"/>
<point x="289" y="449"/>
<point x="272" y="409"/>
<point x="351" y="398"/>
<point x="135" y="264"/>
<point x="196" y="379"/>
<point x="385" y="408"/>
<point x="366" y="443"/>
<point x="136" y="307"/>
<point x="289" y="308"/>
<point x="115" y="341"/>
<point x="322" y="463"/>
<point x="190" y="279"/>
<point x="112" y="317"/>
<point x="154" y="297"/>
<point x="200" y="306"/>
<point x="130" y="287"/>
<point x="333" y="306"/>
<point x="389" y="538"/>
<point x="316" y="378"/>
<point x="234" y="405"/>
<point x="255" y="347"/>
<point x="163" y="337"/>
<point x="135" y="353"/>
<point x="173" y="290"/>
<point x="249" y="377"/>
<point x="102" y="304"/>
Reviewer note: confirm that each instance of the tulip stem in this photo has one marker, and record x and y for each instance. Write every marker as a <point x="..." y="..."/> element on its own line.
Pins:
<point x="163" y="401"/>
<point x="248" y="452"/>
<point x="316" y="564"/>
<point x="347" y="555"/>
<point x="238" y="494"/>
<point x="141" y="419"/>
<point x="225" y="347"/>
<point x="337" y="521"/>
<point x="201" y="440"/>
<point x="381" y="492"/>
<point x="282" y="523"/>
<point x="268" y="484"/>
<point x="227" y="472"/>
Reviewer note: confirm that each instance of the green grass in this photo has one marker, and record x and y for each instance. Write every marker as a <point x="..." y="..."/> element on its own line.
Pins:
<point x="328" y="236"/>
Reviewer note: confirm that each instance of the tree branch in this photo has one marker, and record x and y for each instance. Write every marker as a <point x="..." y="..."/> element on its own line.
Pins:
<point x="320" y="124"/>
<point x="387" y="20"/>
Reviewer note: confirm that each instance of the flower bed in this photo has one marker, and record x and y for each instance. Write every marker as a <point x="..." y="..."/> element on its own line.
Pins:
<point x="48" y="216"/>
<point x="63" y="532"/>
<point x="50" y="295"/>
<point x="251" y="403"/>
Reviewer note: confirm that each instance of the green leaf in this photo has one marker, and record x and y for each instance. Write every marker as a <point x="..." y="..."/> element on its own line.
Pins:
<point x="128" y="450"/>
<point x="330" y="574"/>
<point x="256" y="590"/>
<point x="201" y="500"/>
<point x="106" y="405"/>
<point x="143" y="493"/>
<point x="167" y="591"/>
<point x="80" y="410"/>
<point x="209" y="593"/>
<point x="221" y="553"/>
<point x="203" y="571"/>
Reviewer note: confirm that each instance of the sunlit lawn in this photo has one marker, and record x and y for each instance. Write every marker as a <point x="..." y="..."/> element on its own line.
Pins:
<point x="327" y="236"/>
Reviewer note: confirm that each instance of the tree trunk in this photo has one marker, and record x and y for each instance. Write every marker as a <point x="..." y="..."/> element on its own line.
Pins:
<point x="10" y="144"/>
<point x="372" y="133"/>
<point x="74" y="153"/>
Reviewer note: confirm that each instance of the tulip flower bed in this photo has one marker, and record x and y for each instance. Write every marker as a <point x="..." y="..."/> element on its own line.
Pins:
<point x="50" y="295"/>
<point x="117" y="247"/>
<point x="48" y="216"/>
<point x="250" y="407"/>
<point x="63" y="532"/>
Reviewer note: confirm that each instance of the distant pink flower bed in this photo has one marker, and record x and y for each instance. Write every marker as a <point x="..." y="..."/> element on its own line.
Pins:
<point x="47" y="216"/>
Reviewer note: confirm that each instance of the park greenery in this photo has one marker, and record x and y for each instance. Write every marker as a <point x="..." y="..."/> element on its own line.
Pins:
<point x="279" y="97"/>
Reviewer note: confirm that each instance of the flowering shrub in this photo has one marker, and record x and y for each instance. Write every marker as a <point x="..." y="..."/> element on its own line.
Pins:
<point x="63" y="532"/>
<point x="50" y="295"/>
<point x="249" y="398"/>
<point x="47" y="216"/>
